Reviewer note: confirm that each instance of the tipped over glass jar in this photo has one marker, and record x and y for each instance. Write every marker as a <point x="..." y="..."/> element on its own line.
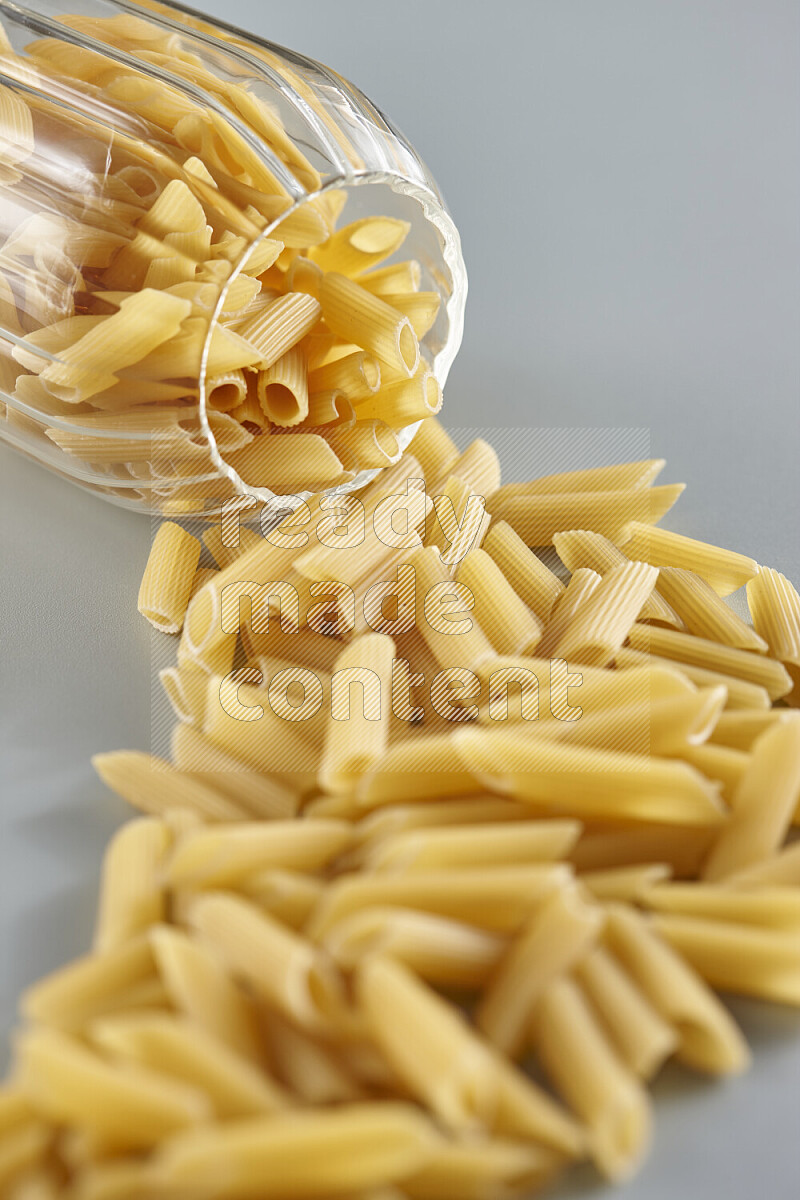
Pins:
<point x="223" y="272"/>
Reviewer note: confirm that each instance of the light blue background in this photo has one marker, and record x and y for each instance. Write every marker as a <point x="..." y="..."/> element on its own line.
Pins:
<point x="626" y="178"/>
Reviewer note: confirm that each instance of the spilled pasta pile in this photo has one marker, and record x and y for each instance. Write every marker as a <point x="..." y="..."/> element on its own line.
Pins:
<point x="551" y="826"/>
<point x="110" y="282"/>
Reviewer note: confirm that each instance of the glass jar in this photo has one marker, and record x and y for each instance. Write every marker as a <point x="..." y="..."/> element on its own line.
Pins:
<point x="164" y="178"/>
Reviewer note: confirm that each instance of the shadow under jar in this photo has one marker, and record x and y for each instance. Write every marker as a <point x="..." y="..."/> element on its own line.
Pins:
<point x="222" y="270"/>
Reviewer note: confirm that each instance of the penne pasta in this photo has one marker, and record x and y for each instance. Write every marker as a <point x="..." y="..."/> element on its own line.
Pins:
<point x="511" y="627"/>
<point x="283" y="389"/>
<point x="487" y="844"/>
<point x="603" y="619"/>
<point x="169" y="577"/>
<point x="222" y="856"/>
<point x="358" y="316"/>
<point x="132" y="892"/>
<point x="723" y="570"/>
<point x="767" y="906"/>
<point x="356" y="740"/>
<point x="703" y="613"/>
<point x="582" y="548"/>
<point x="700" y="652"/>
<point x="434" y="449"/>
<point x="554" y="939"/>
<point x="762" y="805"/>
<point x="153" y="786"/>
<point x="539" y="517"/>
<point x="361" y="245"/>
<point x="595" y="1082"/>
<point x="775" y="609"/>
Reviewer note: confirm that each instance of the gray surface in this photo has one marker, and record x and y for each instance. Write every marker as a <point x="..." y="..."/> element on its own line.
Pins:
<point x="626" y="178"/>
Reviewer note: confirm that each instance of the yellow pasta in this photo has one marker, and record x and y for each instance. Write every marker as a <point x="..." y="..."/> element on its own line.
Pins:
<point x="708" y="1038"/>
<point x="278" y="325"/>
<point x="355" y="315"/>
<point x="775" y="609"/>
<point x="168" y="578"/>
<point x="456" y="641"/>
<point x="762" y="805"/>
<point x="480" y="1169"/>
<point x="226" y="545"/>
<point x="226" y="392"/>
<point x="287" y="895"/>
<point x="286" y="467"/>
<point x="361" y="245"/>
<point x="222" y="856"/>
<point x="257" y="793"/>
<point x="723" y="570"/>
<point x="628" y="884"/>
<point x="293" y="1155"/>
<point x="421" y="308"/>
<point x="368" y="443"/>
<point x="132" y="895"/>
<point x="741" y="729"/>
<point x="593" y="1080"/>
<point x="700" y="652"/>
<point x="434" y="449"/>
<point x="768" y="906"/>
<point x="741" y="693"/>
<point x="90" y="987"/>
<point x="703" y="613"/>
<point x="603" y="619"/>
<point x="556" y="937"/>
<point x="357" y="375"/>
<point x="174" y="1047"/>
<point x="403" y="402"/>
<point x="152" y="785"/>
<point x="533" y="582"/>
<point x="617" y="477"/>
<point x="642" y="1038"/>
<point x="401" y="277"/>
<point x="538" y="517"/>
<point x="582" y="548"/>
<point x="737" y="958"/>
<point x="487" y="844"/>
<point x="509" y="624"/>
<point x="283" y="389"/>
<point x="356" y="740"/>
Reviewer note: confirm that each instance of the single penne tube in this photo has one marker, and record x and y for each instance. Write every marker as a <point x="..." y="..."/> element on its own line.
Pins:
<point x="741" y="694"/>
<point x="582" y="584"/>
<point x="533" y="582"/>
<point x="434" y="449"/>
<point x="703" y="612"/>
<point x="406" y="818"/>
<point x="640" y="1035"/>
<point x="628" y="885"/>
<point x="723" y="570"/>
<point x="709" y="1040"/>
<point x="307" y="462"/>
<point x="618" y="477"/>
<point x="280" y="966"/>
<point x="289" y="896"/>
<point x="354" y="1146"/>
<point x="357" y="375"/>
<point x="257" y="794"/>
<point x="582" y="548"/>
<point x="482" y="845"/>
<point x="358" y="316"/>
<point x="604" y="618"/>
<point x="751" y="961"/>
<point x="153" y="785"/>
<point x="132" y="891"/>
<point x="401" y="277"/>
<point x="525" y="1111"/>
<point x="221" y="856"/>
<point x="768" y="906"/>
<point x="247" y="724"/>
<point x="775" y="608"/>
<point x="554" y="939"/>
<point x="589" y="783"/>
<point x="89" y="987"/>
<point x="361" y="245"/>
<point x="403" y="402"/>
<point x="176" y="1048"/>
<point x="421" y="308"/>
<point x="721" y="763"/>
<point x="497" y="899"/>
<point x="356" y="738"/>
<point x="200" y="987"/>
<point x="277" y="325"/>
<point x="762" y="806"/>
<point x="225" y="392"/>
<point x="537" y="518"/>
<point x="431" y="761"/>
<point x="133" y="1108"/>
<point x="700" y="652"/>
<point x="283" y="389"/>
<point x="442" y="951"/>
<point x="482" y="1169"/>
<point x="594" y="1081"/>
<point x="740" y="729"/>
<point x="427" y="1043"/>
<point x="509" y="624"/>
<point x="225" y="546"/>
<point x="456" y="644"/>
